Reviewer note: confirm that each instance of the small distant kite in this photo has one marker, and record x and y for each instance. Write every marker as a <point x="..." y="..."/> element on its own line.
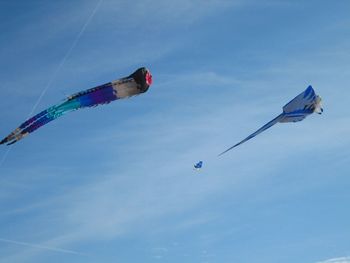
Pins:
<point x="296" y="110"/>
<point x="137" y="83"/>
<point x="198" y="165"/>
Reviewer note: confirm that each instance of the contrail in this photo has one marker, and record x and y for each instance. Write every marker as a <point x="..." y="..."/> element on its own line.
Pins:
<point x="60" y="65"/>
<point x="60" y="250"/>
<point x="63" y="61"/>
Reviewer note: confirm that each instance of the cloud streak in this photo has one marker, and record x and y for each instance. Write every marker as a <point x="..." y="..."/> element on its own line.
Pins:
<point x="42" y="247"/>
<point x="336" y="260"/>
<point x="124" y="172"/>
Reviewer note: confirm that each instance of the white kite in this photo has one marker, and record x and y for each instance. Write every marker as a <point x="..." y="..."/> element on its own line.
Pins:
<point x="296" y="110"/>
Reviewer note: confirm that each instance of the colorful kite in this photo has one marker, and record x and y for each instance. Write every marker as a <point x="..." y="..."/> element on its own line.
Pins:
<point x="137" y="83"/>
<point x="296" y="110"/>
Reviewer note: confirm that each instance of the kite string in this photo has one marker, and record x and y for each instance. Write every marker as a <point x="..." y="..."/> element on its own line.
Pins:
<point x="63" y="61"/>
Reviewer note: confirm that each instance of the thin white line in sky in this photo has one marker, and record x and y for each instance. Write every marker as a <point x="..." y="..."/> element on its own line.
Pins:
<point x="63" y="61"/>
<point x="60" y="250"/>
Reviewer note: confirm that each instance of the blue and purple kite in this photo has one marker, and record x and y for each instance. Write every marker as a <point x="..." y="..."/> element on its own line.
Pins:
<point x="135" y="84"/>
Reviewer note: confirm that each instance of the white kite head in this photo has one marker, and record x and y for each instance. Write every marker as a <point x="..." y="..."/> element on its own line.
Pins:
<point x="318" y="105"/>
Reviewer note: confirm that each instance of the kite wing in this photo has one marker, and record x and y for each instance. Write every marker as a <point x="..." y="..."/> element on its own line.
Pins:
<point x="301" y="106"/>
<point x="263" y="128"/>
<point x="304" y="100"/>
<point x="135" y="84"/>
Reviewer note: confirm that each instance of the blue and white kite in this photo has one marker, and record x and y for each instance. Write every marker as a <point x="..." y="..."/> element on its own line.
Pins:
<point x="198" y="165"/>
<point x="296" y="110"/>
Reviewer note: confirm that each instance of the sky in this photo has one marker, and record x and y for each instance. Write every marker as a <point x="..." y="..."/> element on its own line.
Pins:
<point x="116" y="183"/>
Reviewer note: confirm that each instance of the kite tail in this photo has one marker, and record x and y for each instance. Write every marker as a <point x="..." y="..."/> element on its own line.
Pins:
<point x="99" y="95"/>
<point x="39" y="120"/>
<point x="263" y="128"/>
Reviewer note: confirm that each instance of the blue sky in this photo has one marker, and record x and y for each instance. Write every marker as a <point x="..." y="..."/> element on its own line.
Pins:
<point x="116" y="184"/>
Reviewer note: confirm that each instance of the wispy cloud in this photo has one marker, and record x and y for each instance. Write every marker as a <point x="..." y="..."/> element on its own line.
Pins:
<point x="110" y="173"/>
<point x="336" y="260"/>
<point x="41" y="247"/>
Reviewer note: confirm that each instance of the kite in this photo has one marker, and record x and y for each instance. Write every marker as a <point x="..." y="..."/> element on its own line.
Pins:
<point x="198" y="165"/>
<point x="296" y="110"/>
<point x="135" y="84"/>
